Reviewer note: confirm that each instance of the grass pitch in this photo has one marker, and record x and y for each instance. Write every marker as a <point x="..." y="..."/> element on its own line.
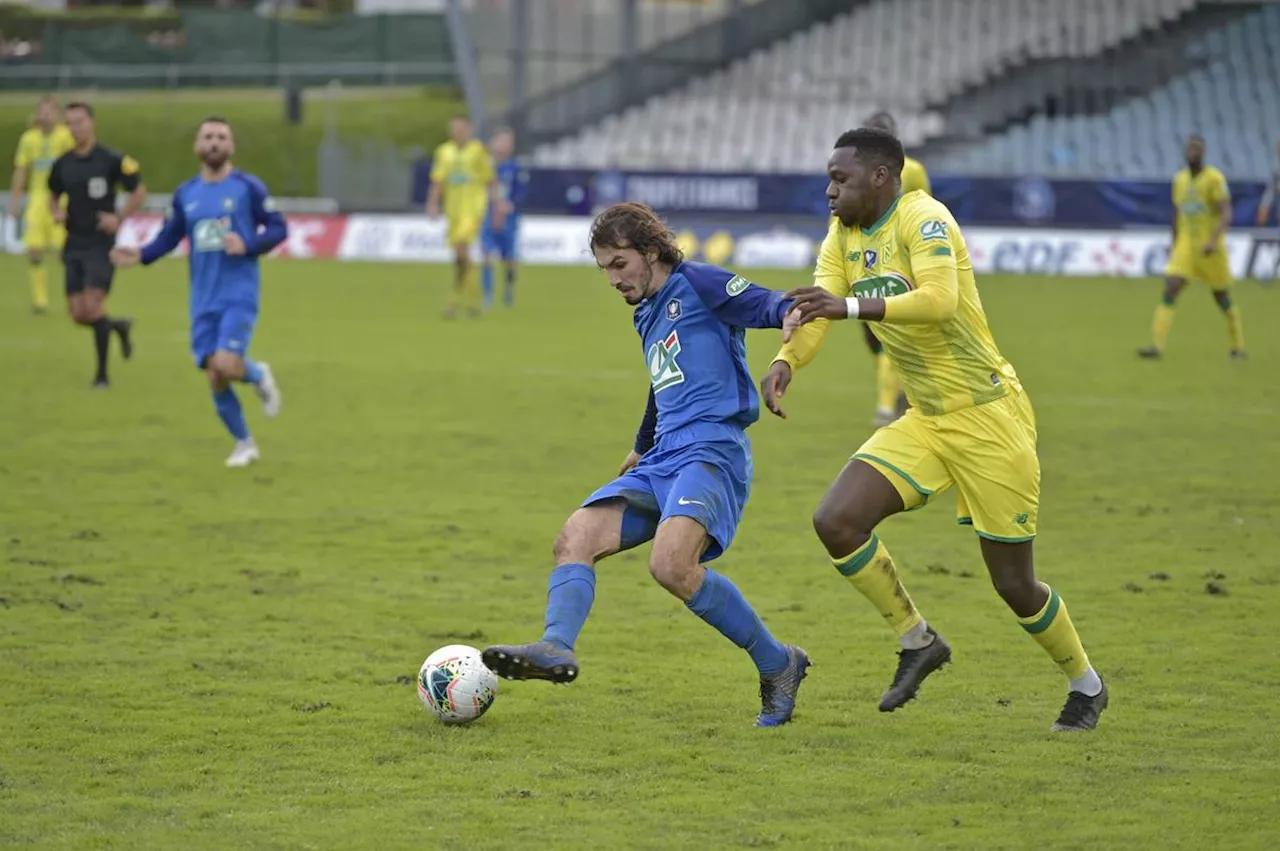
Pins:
<point x="157" y="128"/>
<point x="204" y="658"/>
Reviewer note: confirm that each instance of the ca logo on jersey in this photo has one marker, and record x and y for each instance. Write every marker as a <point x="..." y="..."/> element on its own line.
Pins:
<point x="933" y="229"/>
<point x="208" y="233"/>
<point x="673" y="309"/>
<point x="882" y="286"/>
<point x="664" y="372"/>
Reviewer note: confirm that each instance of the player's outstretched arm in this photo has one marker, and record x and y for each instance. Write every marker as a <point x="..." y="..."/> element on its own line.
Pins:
<point x="170" y="235"/>
<point x="738" y="302"/>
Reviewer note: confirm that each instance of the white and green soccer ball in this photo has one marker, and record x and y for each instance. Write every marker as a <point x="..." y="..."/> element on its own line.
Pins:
<point x="455" y="685"/>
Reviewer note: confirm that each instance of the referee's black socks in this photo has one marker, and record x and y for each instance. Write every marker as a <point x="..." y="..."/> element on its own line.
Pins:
<point x="101" y="342"/>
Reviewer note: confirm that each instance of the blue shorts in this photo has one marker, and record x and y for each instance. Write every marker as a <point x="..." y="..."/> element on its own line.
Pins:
<point x="701" y="471"/>
<point x="227" y="330"/>
<point x="501" y="242"/>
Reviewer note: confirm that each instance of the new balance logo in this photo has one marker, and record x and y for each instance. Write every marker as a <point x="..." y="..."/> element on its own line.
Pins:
<point x="1022" y="518"/>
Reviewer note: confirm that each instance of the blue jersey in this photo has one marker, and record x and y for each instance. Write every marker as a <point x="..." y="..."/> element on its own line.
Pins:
<point x="694" y="336"/>
<point x="512" y="181"/>
<point x="206" y="212"/>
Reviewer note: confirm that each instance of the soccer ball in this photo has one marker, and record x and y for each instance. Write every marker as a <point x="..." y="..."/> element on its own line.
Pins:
<point x="455" y="685"/>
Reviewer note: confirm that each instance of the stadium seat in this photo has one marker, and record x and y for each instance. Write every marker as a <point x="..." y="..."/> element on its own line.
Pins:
<point x="891" y="50"/>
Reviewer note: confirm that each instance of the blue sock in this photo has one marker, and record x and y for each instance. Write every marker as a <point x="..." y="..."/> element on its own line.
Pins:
<point x="569" y="596"/>
<point x="252" y="372"/>
<point x="231" y="414"/>
<point x="486" y="282"/>
<point x="719" y="602"/>
<point x="510" y="294"/>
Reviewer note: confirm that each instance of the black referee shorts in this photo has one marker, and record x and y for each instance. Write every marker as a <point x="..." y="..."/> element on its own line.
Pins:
<point x="88" y="269"/>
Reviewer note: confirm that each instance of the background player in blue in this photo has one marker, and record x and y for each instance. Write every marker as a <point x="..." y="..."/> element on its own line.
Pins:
<point x="687" y="480"/>
<point x="230" y="221"/>
<point x="500" y="242"/>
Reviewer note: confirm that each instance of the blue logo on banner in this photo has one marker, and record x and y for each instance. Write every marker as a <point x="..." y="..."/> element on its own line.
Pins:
<point x="1033" y="200"/>
<point x="608" y="187"/>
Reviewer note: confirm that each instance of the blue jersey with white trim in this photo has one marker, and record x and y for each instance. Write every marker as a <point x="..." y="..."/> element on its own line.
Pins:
<point x="694" y="335"/>
<point x="204" y="213"/>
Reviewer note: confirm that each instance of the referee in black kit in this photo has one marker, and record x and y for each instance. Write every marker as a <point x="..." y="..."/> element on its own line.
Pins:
<point x="88" y="176"/>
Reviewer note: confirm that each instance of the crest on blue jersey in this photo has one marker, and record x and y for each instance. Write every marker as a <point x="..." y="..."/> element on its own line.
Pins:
<point x="664" y="372"/>
<point x="673" y="309"/>
<point x="228" y="204"/>
<point x="869" y="258"/>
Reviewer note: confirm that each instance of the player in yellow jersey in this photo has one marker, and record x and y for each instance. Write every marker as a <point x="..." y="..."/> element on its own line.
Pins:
<point x="891" y="402"/>
<point x="462" y="173"/>
<point x="38" y="148"/>
<point x="1202" y="211"/>
<point x="899" y="262"/>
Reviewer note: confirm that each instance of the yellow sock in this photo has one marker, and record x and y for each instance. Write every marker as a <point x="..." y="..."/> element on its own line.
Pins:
<point x="39" y="287"/>
<point x="1236" y="327"/>
<point x="1052" y="629"/>
<point x="872" y="572"/>
<point x="1161" y="324"/>
<point x="887" y="383"/>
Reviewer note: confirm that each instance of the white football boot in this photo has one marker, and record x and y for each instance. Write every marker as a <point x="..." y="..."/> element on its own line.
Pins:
<point x="268" y="391"/>
<point x="245" y="453"/>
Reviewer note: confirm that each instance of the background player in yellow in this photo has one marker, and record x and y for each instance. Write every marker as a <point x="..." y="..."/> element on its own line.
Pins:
<point x="38" y="148"/>
<point x="891" y="402"/>
<point x="462" y="173"/>
<point x="900" y="262"/>
<point x="1202" y="212"/>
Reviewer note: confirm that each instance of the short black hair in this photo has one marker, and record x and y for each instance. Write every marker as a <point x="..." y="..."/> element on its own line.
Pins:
<point x="875" y="145"/>
<point x="79" y="104"/>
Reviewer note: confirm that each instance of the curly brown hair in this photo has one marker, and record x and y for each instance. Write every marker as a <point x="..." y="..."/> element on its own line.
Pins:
<point x="632" y="225"/>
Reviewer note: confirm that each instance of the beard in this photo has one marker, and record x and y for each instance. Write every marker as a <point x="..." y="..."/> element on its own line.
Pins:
<point x="215" y="159"/>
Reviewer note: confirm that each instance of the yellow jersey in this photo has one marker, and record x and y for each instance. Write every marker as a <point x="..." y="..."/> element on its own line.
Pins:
<point x="1196" y="201"/>
<point x="915" y="177"/>
<point x="37" y="152"/>
<point x="464" y="174"/>
<point x="935" y="331"/>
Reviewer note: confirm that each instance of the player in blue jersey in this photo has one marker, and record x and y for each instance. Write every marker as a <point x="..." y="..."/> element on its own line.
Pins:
<point x="686" y="482"/>
<point x="230" y="221"/>
<point x="499" y="242"/>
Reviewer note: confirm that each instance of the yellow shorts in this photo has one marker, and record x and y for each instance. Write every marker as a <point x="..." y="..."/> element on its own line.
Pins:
<point x="464" y="229"/>
<point x="988" y="452"/>
<point x="40" y="232"/>
<point x="1188" y="261"/>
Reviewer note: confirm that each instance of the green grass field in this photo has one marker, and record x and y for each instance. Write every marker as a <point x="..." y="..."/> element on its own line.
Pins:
<point x="157" y="128"/>
<point x="203" y="658"/>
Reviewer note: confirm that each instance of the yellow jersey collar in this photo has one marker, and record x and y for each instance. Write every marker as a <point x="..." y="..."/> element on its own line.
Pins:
<point x="880" y="222"/>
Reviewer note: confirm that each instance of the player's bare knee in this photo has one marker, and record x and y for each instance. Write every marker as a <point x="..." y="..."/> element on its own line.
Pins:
<point x="680" y="576"/>
<point x="217" y="383"/>
<point x="589" y="534"/>
<point x="677" y="549"/>
<point x="841" y="528"/>
<point x="1021" y="592"/>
